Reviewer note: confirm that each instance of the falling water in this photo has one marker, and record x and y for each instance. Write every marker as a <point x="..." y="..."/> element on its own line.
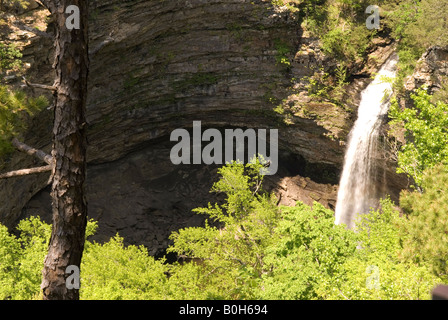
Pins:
<point x="358" y="188"/>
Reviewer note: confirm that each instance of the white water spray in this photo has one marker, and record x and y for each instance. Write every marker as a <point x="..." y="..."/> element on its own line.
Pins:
<point x="358" y="190"/>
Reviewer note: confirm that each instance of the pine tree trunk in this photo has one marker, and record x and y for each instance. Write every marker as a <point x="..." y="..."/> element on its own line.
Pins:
<point x="69" y="152"/>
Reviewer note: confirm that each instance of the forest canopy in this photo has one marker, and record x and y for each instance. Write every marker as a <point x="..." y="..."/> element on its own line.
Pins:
<point x="249" y="248"/>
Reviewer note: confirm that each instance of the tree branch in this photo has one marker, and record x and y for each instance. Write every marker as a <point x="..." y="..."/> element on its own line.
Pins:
<point x="39" y="86"/>
<point x="44" y="3"/>
<point x="32" y="151"/>
<point x="24" y="172"/>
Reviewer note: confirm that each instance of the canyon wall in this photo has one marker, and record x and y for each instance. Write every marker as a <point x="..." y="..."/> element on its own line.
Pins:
<point x="159" y="65"/>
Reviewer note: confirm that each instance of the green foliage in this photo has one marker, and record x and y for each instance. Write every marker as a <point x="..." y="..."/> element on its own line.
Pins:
<point x="315" y="14"/>
<point x="9" y="57"/>
<point x="347" y="45"/>
<point x="316" y="259"/>
<point x="255" y="250"/>
<point x="426" y="128"/>
<point x="340" y="25"/>
<point x="21" y="259"/>
<point x="375" y="270"/>
<point x="309" y="250"/>
<point x="277" y="2"/>
<point x="291" y="5"/>
<point x="426" y="231"/>
<point x="319" y="84"/>
<point x="15" y="108"/>
<point x="417" y="25"/>
<point x="283" y="52"/>
<point x="429" y="25"/>
<point x="380" y="280"/>
<point x="323" y="85"/>
<point x="378" y="232"/>
<point x="232" y="255"/>
<point x="279" y="109"/>
<point x="124" y="272"/>
<point x="304" y="255"/>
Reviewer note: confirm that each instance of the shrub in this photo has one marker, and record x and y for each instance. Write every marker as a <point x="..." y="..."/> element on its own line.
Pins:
<point x="425" y="235"/>
<point x="111" y="271"/>
<point x="426" y="126"/>
<point x="9" y="57"/>
<point x="21" y="259"/>
<point x="256" y="250"/>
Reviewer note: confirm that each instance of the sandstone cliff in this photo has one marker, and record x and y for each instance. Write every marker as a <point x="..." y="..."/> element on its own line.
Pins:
<point x="431" y="70"/>
<point x="160" y="65"/>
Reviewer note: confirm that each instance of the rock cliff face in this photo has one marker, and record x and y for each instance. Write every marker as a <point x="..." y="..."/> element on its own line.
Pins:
<point x="431" y="70"/>
<point x="160" y="65"/>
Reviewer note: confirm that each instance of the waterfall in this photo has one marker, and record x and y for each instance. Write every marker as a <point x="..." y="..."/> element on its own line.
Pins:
<point x="358" y="188"/>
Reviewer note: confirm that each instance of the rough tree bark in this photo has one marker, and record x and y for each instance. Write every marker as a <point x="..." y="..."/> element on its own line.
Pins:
<point x="69" y="151"/>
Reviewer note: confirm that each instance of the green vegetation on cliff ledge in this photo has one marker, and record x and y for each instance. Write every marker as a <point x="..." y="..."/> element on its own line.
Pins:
<point x="251" y="249"/>
<point x="417" y="25"/>
<point x="339" y="24"/>
<point x="341" y="27"/>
